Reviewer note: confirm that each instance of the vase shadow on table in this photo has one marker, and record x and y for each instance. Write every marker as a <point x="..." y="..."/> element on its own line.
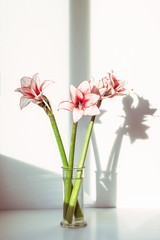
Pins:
<point x="133" y="127"/>
<point x="24" y="186"/>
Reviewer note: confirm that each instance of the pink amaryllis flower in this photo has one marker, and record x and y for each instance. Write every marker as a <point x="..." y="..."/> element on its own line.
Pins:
<point x="102" y="87"/>
<point x="32" y="90"/>
<point x="82" y="102"/>
<point x="109" y="86"/>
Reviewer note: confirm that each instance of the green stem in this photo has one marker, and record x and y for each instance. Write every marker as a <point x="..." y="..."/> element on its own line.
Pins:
<point x="48" y="109"/>
<point x="72" y="145"/>
<point x="86" y="143"/>
<point x="87" y="139"/>
<point x="59" y="141"/>
<point x="68" y="181"/>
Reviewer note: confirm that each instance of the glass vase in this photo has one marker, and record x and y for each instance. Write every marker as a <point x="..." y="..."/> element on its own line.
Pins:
<point x="73" y="214"/>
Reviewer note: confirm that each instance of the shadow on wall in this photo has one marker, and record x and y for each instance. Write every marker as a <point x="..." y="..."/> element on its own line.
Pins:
<point x="23" y="186"/>
<point x="134" y="128"/>
<point x="79" y="12"/>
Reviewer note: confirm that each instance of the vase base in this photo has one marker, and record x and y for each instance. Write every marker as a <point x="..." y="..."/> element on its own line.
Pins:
<point x="77" y="224"/>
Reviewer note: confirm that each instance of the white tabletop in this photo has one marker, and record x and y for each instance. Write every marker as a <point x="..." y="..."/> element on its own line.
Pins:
<point x="107" y="224"/>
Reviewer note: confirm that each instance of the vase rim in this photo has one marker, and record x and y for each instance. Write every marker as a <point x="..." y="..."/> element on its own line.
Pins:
<point x="76" y="168"/>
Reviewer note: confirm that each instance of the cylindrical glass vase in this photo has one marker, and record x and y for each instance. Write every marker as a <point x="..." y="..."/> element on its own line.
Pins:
<point x="73" y="214"/>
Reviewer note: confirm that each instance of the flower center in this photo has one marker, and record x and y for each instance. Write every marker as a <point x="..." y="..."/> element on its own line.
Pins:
<point x="79" y="105"/>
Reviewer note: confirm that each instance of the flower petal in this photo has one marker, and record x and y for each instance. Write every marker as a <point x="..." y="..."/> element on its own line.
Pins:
<point x="26" y="81"/>
<point x="75" y="94"/>
<point x="19" y="90"/>
<point x="92" y="111"/>
<point x="67" y="105"/>
<point x="84" y="87"/>
<point x="102" y="91"/>
<point x="35" y="84"/>
<point x="77" y="114"/>
<point x="24" y="101"/>
<point x="29" y="92"/>
<point x="45" y="84"/>
<point x="90" y="99"/>
<point x="95" y="90"/>
<point x="107" y="93"/>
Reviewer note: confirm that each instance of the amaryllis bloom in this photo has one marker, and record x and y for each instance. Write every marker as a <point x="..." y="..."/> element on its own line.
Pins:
<point x="118" y="86"/>
<point x="102" y="87"/>
<point x="82" y="102"/>
<point x="109" y="86"/>
<point x="32" y="90"/>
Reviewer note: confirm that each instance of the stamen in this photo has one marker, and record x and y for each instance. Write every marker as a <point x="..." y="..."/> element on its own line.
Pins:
<point x="80" y="106"/>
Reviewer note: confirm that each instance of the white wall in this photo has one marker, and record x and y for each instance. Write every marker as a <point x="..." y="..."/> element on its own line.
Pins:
<point x="67" y="41"/>
<point x="34" y="38"/>
<point x="125" y="37"/>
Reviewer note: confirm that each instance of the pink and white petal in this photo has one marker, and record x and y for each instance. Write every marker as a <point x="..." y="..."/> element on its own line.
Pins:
<point x="106" y="82"/>
<point x="36" y="80"/>
<point x="77" y="114"/>
<point x="92" y="82"/>
<point x="45" y="84"/>
<point x="84" y="87"/>
<point x="95" y="90"/>
<point x="28" y="92"/>
<point x="114" y="78"/>
<point x="124" y="92"/>
<point x="90" y="99"/>
<point x="120" y="86"/>
<point x="26" y="81"/>
<point x="92" y="111"/>
<point x="19" y="90"/>
<point x="102" y="91"/>
<point x="35" y="84"/>
<point x="100" y="83"/>
<point x="109" y="93"/>
<point x="75" y="94"/>
<point x="67" y="105"/>
<point x="24" y="101"/>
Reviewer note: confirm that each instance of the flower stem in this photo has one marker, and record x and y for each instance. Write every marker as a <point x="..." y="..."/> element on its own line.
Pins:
<point x="48" y="109"/>
<point x="86" y="143"/>
<point x="87" y="139"/>
<point x="59" y="140"/>
<point x="68" y="181"/>
<point x="72" y="145"/>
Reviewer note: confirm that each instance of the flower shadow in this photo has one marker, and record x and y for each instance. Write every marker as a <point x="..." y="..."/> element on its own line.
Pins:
<point x="133" y="127"/>
<point x="135" y="117"/>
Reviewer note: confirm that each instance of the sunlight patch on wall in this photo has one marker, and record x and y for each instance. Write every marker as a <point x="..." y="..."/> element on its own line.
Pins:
<point x="125" y="37"/>
<point x="34" y="38"/>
